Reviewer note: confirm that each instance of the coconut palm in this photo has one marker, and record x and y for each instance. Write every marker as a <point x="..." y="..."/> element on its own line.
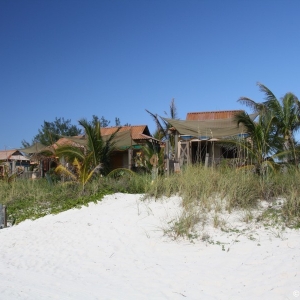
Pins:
<point x="262" y="143"/>
<point x="99" y="147"/>
<point x="87" y="155"/>
<point x="286" y="120"/>
<point x="285" y="115"/>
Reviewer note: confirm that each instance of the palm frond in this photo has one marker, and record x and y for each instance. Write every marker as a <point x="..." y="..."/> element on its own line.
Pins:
<point x="173" y="109"/>
<point x="269" y="96"/>
<point x="71" y="152"/>
<point x="63" y="170"/>
<point x="255" y="106"/>
<point x="159" y="127"/>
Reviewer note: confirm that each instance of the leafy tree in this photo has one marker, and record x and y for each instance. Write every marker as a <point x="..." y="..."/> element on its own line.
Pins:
<point x="117" y="121"/>
<point x="25" y="144"/>
<point x="52" y="131"/>
<point x="103" y="122"/>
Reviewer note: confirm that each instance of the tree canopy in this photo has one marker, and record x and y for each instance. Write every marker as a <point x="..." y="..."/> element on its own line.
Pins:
<point x="51" y="132"/>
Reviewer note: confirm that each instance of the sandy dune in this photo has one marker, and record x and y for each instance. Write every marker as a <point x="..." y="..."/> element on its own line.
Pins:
<point x="115" y="249"/>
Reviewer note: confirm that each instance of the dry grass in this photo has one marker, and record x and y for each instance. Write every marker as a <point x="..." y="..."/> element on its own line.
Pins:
<point x="205" y="190"/>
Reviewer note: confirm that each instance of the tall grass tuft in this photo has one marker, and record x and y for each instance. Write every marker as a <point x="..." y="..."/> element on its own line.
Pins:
<point x="205" y="188"/>
<point x="198" y="185"/>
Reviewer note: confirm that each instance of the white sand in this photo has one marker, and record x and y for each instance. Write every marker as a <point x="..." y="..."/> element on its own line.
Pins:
<point x="116" y="250"/>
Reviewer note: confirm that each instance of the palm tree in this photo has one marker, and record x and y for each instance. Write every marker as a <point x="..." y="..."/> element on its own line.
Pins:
<point x="285" y="115"/>
<point x="286" y="120"/>
<point x="81" y="173"/>
<point x="87" y="155"/>
<point x="162" y="129"/>
<point x="262" y="143"/>
<point x="99" y="147"/>
<point x="154" y="155"/>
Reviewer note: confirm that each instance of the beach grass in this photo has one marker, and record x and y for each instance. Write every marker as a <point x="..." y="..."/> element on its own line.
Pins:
<point x="225" y="190"/>
<point x="31" y="199"/>
<point x="203" y="191"/>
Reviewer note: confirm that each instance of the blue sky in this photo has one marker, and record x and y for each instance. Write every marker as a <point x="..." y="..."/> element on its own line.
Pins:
<point x="116" y="58"/>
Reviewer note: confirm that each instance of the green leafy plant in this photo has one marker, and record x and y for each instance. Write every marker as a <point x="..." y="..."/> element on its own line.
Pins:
<point x="88" y="156"/>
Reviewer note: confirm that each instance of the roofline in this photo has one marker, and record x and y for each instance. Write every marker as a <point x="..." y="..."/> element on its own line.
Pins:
<point x="124" y="126"/>
<point x="215" y="111"/>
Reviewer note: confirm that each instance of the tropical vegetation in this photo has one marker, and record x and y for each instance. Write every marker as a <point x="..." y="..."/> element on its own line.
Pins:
<point x="87" y="156"/>
<point x="272" y="136"/>
<point x="84" y="174"/>
<point x="162" y="127"/>
<point x="51" y="132"/>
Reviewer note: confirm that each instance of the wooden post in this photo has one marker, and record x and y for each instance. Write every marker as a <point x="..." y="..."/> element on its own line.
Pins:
<point x="213" y="154"/>
<point x="176" y="146"/>
<point x="130" y="158"/>
<point x="206" y="160"/>
<point x="167" y="159"/>
<point x="41" y="168"/>
<point x="62" y="162"/>
<point x="3" y="217"/>
<point x="13" y="167"/>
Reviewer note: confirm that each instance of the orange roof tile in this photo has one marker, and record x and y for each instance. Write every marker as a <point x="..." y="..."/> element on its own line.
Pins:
<point x="211" y="115"/>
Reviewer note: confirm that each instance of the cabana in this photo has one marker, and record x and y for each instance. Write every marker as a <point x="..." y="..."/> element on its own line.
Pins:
<point x="128" y="142"/>
<point x="203" y="137"/>
<point x="41" y="160"/>
<point x="13" y="161"/>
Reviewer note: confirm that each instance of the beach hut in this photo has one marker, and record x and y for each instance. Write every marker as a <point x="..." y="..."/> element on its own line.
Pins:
<point x="203" y="136"/>
<point x="13" y="161"/>
<point x="41" y="158"/>
<point x="128" y="143"/>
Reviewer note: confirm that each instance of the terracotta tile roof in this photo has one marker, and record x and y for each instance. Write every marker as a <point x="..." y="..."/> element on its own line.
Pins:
<point x="211" y="115"/>
<point x="138" y="132"/>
